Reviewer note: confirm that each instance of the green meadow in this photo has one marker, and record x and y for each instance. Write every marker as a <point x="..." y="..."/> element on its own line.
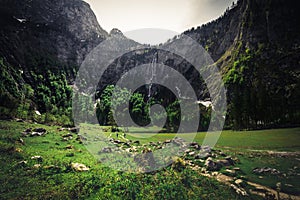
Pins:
<point x="51" y="176"/>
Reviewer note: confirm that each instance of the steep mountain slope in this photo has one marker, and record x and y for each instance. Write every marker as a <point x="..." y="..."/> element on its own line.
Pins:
<point x="256" y="44"/>
<point x="42" y="44"/>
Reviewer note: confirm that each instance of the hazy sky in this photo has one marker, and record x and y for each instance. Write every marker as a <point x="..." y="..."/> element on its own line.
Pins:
<point x="175" y="15"/>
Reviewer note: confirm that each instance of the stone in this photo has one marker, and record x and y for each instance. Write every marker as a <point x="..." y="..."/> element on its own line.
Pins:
<point x="20" y="140"/>
<point x="239" y="191"/>
<point x="19" y="120"/>
<point x="79" y="167"/>
<point x="232" y="172"/>
<point x="223" y="163"/>
<point x="167" y="142"/>
<point x="202" y="156"/>
<point x="266" y="170"/>
<point x="50" y="167"/>
<point x="22" y="163"/>
<point x="38" y="132"/>
<point x="206" y="149"/>
<point x="211" y="165"/>
<point x="222" y="154"/>
<point x="238" y="181"/>
<point x="192" y="153"/>
<point x="27" y="131"/>
<point x="70" y="147"/>
<point x="193" y="144"/>
<point x="67" y="135"/>
<point x="18" y="150"/>
<point x="36" y="166"/>
<point x="38" y="158"/>
<point x="187" y="151"/>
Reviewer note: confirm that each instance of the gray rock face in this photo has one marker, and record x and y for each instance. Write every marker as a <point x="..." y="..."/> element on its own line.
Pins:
<point x="65" y="30"/>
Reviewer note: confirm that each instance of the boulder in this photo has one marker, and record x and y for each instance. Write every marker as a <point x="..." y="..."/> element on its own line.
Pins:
<point x="211" y="165"/>
<point x="79" y="167"/>
<point x="38" y="132"/>
<point x="206" y="149"/>
<point x="27" y="131"/>
<point x="223" y="163"/>
<point x="239" y="191"/>
<point x="22" y="163"/>
<point x="38" y="158"/>
<point x="192" y="153"/>
<point x="203" y="156"/>
<point x="167" y="141"/>
<point x="37" y="166"/>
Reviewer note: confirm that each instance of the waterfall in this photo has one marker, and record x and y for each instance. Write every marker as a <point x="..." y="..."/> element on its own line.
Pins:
<point x="153" y="74"/>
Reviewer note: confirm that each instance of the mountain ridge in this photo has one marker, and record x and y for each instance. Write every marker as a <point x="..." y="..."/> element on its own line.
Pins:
<point x="255" y="44"/>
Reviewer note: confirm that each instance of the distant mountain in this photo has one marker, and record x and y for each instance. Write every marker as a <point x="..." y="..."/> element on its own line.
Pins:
<point x="63" y="29"/>
<point x="43" y="42"/>
<point x="255" y="44"/>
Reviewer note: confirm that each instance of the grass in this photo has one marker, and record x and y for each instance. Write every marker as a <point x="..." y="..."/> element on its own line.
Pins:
<point x="54" y="179"/>
<point x="251" y="148"/>
<point x="274" y="139"/>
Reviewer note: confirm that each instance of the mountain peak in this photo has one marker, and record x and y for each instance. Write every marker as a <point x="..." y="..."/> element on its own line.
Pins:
<point x="116" y="32"/>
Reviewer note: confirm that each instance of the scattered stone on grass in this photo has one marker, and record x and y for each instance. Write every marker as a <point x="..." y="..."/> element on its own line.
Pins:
<point x="238" y="190"/>
<point x="22" y="163"/>
<point x="38" y="158"/>
<point x="70" y="147"/>
<point x="266" y="170"/>
<point x="18" y="150"/>
<point x="37" y="166"/>
<point x="34" y="132"/>
<point x="211" y="165"/>
<point x="79" y="167"/>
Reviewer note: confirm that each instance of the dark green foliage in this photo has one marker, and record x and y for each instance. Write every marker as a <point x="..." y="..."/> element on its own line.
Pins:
<point x="262" y="94"/>
<point x="48" y="93"/>
<point x="139" y="108"/>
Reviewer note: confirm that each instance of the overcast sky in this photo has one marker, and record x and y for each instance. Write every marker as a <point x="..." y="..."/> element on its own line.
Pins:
<point x="175" y="15"/>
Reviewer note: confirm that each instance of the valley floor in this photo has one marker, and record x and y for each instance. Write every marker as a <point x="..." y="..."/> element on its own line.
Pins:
<point x="57" y="165"/>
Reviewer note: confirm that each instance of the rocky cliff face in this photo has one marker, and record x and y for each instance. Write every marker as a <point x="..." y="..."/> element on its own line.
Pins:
<point x="42" y="44"/>
<point x="256" y="45"/>
<point x="65" y="30"/>
<point x="253" y="22"/>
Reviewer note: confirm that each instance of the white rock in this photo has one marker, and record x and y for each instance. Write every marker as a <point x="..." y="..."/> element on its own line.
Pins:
<point x="79" y="167"/>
